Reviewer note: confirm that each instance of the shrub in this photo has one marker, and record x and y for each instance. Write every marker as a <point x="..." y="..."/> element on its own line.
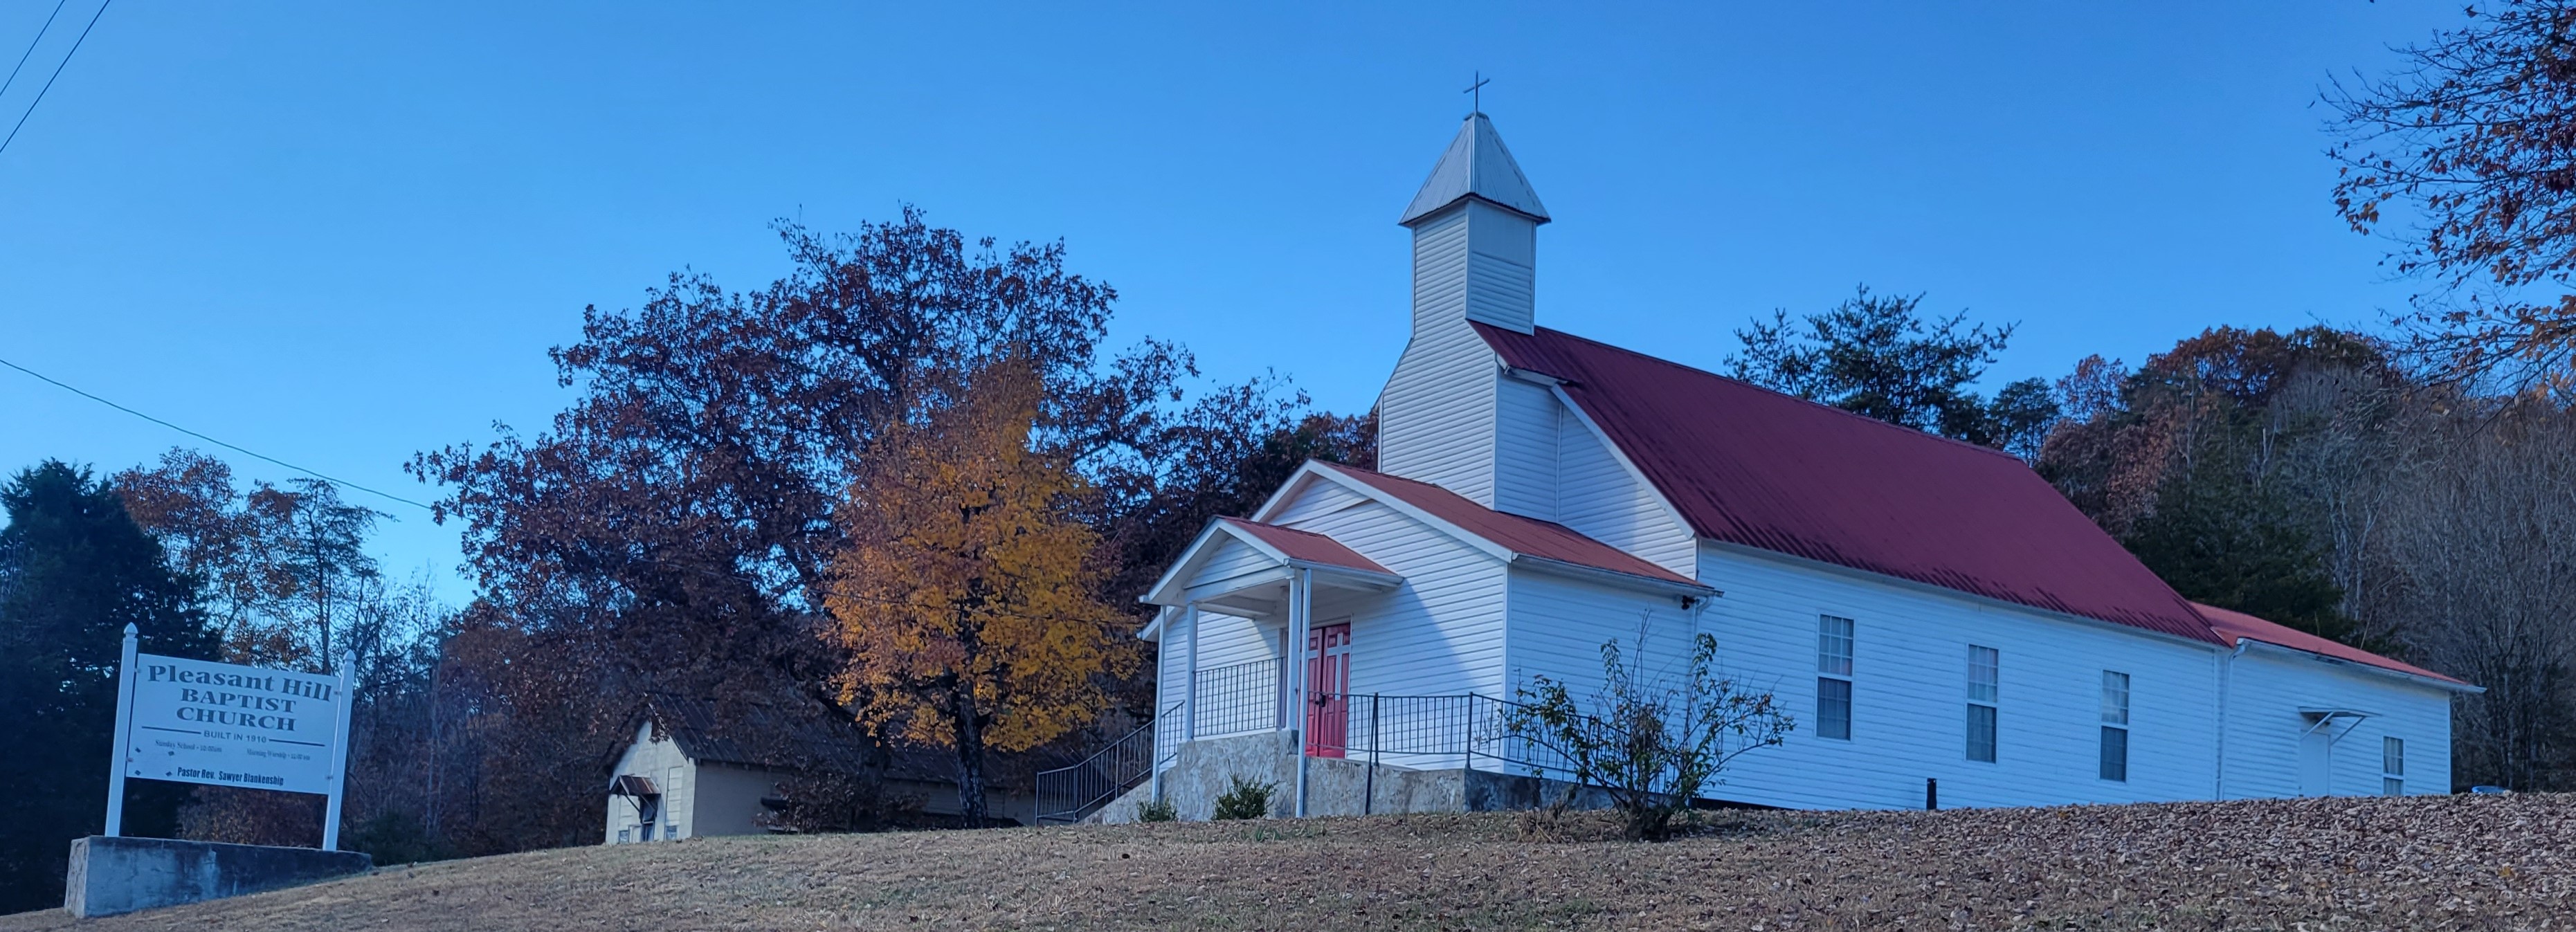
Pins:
<point x="1157" y="810"/>
<point x="1245" y="799"/>
<point x="1650" y="747"/>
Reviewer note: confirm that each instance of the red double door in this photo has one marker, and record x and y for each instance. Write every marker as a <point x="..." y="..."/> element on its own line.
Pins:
<point x="1328" y="681"/>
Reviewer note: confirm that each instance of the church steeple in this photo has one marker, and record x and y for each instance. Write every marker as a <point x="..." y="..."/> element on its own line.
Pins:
<point x="1475" y="260"/>
<point x="1475" y="236"/>
<point x="1476" y="164"/>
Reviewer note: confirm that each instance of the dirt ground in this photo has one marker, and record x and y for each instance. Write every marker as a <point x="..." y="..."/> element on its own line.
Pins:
<point x="2496" y="862"/>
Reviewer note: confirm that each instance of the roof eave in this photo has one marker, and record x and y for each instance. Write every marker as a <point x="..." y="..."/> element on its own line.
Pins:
<point x="1615" y="577"/>
<point x="2214" y="641"/>
<point x="1412" y="218"/>
<point x="2443" y="683"/>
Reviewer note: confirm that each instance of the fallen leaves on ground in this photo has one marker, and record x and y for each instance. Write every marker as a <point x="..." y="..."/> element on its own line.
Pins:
<point x="2494" y="862"/>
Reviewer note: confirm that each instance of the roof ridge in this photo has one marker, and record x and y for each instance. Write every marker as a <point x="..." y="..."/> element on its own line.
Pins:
<point x="1981" y="448"/>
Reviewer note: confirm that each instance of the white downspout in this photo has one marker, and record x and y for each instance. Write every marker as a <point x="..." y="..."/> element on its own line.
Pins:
<point x="2226" y="676"/>
<point x="1190" y="702"/>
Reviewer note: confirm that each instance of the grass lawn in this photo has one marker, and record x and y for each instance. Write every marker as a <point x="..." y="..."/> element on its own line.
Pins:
<point x="2498" y="862"/>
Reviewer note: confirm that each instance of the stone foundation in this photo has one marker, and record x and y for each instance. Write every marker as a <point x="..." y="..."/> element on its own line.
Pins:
<point x="1202" y="770"/>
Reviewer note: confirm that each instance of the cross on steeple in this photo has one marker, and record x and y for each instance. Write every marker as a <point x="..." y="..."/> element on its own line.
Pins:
<point x="1476" y="94"/>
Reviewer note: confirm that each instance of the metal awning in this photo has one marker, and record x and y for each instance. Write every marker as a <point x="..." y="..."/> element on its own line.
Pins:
<point x="2323" y="718"/>
<point x="628" y="784"/>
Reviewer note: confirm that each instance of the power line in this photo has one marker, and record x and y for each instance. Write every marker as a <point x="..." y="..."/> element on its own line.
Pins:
<point x="339" y="482"/>
<point x="32" y="43"/>
<point x="58" y="71"/>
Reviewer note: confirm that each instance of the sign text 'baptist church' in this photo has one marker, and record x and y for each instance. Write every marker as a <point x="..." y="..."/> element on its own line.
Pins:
<point x="198" y="721"/>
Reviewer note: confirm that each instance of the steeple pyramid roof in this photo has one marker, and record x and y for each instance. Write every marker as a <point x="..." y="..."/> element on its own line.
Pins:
<point x="1476" y="165"/>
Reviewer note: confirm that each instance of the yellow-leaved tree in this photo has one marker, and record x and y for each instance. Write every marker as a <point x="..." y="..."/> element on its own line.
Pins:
<point x="966" y="601"/>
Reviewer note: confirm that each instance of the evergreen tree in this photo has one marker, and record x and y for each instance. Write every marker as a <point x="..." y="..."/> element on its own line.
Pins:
<point x="2219" y="538"/>
<point x="74" y="571"/>
<point x="1881" y="356"/>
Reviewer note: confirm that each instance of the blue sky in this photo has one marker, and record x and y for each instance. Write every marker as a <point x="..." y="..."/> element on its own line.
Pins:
<point x="339" y="233"/>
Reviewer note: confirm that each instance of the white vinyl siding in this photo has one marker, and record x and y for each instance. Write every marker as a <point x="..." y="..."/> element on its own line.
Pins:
<point x="1908" y="720"/>
<point x="1317" y="499"/>
<point x="1228" y="557"/>
<point x="2266" y="734"/>
<point x="1525" y="473"/>
<point x="1502" y="273"/>
<point x="1560" y="623"/>
<point x="1599" y="497"/>
<point x="1436" y="416"/>
<point x="657" y="761"/>
<point x="1439" y="633"/>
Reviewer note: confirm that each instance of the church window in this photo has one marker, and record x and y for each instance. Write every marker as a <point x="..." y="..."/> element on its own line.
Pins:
<point x="2115" y="726"/>
<point x="2392" y="766"/>
<point x="1985" y="680"/>
<point x="1833" y="679"/>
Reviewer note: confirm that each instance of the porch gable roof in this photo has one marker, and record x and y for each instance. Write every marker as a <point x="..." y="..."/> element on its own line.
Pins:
<point x="1286" y="548"/>
<point x="1506" y="536"/>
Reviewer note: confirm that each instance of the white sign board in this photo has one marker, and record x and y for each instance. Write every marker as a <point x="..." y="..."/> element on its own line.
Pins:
<point x="198" y="721"/>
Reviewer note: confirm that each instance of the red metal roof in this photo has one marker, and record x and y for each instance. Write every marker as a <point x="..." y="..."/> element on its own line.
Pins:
<point x="1543" y="539"/>
<point x="1746" y="465"/>
<point x="2238" y="626"/>
<point x="1306" y="546"/>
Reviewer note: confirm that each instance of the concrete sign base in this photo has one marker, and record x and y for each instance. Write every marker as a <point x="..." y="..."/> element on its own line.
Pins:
<point x="120" y="875"/>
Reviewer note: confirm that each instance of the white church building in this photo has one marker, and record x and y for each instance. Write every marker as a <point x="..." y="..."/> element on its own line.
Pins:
<point x="1937" y="618"/>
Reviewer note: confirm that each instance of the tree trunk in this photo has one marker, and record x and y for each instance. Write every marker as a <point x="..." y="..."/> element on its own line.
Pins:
<point x="970" y="756"/>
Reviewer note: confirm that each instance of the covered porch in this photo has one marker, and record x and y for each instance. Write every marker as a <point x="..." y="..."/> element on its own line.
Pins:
<point x="1263" y="631"/>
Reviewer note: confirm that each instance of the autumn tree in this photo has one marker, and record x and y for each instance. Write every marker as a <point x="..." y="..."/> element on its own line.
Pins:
<point x="1881" y="356"/>
<point x="674" y="528"/>
<point x="2227" y="465"/>
<point x="2467" y="154"/>
<point x="966" y="599"/>
<point x="285" y="568"/>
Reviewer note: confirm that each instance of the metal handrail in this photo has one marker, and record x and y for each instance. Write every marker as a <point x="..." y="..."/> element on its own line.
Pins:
<point x="1067" y="794"/>
<point x="1237" y="698"/>
<point x="1459" y="729"/>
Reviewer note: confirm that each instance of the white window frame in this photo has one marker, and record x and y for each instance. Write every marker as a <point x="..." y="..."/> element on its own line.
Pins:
<point x="1985" y="694"/>
<point x="2392" y="765"/>
<point x="1834" y="667"/>
<point x="2115" y="719"/>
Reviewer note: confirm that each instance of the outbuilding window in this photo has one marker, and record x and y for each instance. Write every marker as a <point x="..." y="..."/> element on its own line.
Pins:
<point x="1833" y="677"/>
<point x="2115" y="726"/>
<point x="1985" y="689"/>
<point x="2392" y="766"/>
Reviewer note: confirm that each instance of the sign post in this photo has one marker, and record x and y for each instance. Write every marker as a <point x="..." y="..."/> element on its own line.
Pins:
<point x="222" y="724"/>
<point x="340" y="753"/>
<point x="124" y="718"/>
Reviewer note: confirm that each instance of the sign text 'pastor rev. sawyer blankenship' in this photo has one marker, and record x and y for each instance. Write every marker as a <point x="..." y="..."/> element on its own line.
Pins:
<point x="203" y="722"/>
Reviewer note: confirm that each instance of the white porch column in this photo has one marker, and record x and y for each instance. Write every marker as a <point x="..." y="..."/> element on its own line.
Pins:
<point x="1190" y="679"/>
<point x="1301" y="598"/>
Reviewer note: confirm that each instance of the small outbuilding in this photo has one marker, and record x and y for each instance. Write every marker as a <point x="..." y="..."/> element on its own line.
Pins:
<point x="703" y="767"/>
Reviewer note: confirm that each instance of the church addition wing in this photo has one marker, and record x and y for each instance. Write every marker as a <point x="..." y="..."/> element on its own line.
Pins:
<point x="1754" y="468"/>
